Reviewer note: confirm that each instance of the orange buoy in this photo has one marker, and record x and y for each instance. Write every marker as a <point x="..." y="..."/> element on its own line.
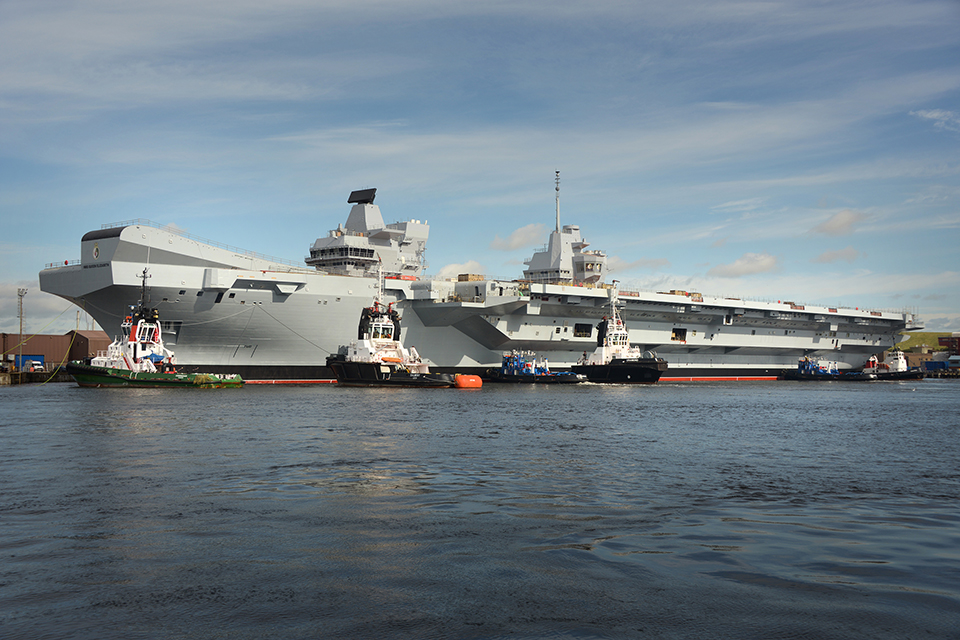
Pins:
<point x="464" y="381"/>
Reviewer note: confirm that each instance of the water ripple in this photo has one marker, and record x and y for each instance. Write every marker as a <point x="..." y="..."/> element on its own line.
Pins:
<point x="675" y="511"/>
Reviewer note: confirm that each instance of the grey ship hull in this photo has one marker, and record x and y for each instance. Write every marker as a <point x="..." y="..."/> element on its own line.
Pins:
<point x="225" y="311"/>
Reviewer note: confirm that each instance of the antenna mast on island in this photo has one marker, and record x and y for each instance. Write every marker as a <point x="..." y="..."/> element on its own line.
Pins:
<point x="558" y="200"/>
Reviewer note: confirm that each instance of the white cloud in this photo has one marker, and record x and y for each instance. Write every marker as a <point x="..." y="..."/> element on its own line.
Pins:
<point x="840" y="224"/>
<point x="182" y="111"/>
<point x="42" y="312"/>
<point x="946" y="120"/>
<point x="532" y="234"/>
<point x="848" y="254"/>
<point x="942" y="323"/>
<point x="454" y="269"/>
<point x="739" y="205"/>
<point x="616" y="264"/>
<point x="745" y="265"/>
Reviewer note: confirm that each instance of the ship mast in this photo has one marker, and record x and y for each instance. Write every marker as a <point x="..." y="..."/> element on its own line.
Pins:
<point x="615" y="301"/>
<point x="379" y="299"/>
<point x="558" y="200"/>
<point x="142" y="303"/>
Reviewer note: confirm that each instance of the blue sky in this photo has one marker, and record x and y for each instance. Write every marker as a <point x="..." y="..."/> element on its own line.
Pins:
<point x="805" y="151"/>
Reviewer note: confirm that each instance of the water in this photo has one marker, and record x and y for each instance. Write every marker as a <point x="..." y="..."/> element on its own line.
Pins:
<point x="747" y="510"/>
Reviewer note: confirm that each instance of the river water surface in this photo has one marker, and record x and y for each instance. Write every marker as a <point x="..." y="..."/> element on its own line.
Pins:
<point x="695" y="510"/>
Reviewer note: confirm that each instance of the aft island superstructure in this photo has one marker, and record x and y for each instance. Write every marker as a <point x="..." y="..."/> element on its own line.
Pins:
<point x="227" y="310"/>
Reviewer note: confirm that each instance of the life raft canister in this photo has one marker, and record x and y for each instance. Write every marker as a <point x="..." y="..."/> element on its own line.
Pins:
<point x="464" y="381"/>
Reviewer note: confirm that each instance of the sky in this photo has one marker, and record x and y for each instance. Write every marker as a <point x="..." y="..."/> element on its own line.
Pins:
<point x="796" y="150"/>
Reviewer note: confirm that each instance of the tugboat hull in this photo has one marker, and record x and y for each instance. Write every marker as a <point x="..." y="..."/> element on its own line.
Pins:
<point x="376" y="374"/>
<point x="90" y="376"/>
<point x="495" y="375"/>
<point x="855" y="376"/>
<point x="827" y="377"/>
<point x="624" y="371"/>
<point x="902" y="375"/>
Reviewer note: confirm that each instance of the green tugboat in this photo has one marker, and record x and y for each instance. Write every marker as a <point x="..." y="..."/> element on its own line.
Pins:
<point x="137" y="358"/>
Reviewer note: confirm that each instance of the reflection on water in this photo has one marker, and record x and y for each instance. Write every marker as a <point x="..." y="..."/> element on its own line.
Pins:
<point x="770" y="510"/>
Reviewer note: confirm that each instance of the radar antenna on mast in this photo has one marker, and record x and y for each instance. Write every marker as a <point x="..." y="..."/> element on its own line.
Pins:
<point x="558" y="200"/>
<point x="144" y="298"/>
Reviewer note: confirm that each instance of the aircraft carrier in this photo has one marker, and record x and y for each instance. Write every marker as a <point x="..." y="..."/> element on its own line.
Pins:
<point x="226" y="310"/>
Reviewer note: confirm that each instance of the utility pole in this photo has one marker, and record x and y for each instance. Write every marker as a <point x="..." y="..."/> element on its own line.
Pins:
<point x="20" y="294"/>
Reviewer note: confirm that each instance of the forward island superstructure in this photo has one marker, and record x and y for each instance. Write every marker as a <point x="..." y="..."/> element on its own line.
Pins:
<point x="227" y="310"/>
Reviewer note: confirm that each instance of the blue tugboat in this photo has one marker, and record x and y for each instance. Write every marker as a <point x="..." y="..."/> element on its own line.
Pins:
<point x="825" y="370"/>
<point x="525" y="366"/>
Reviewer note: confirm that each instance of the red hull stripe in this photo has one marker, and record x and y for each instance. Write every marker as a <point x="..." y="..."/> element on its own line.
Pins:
<point x="332" y="381"/>
<point x="662" y="379"/>
<point x="716" y="378"/>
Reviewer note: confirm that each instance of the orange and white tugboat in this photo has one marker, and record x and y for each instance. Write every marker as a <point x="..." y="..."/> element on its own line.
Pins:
<point x="378" y="359"/>
<point x="138" y="358"/>
<point x="614" y="360"/>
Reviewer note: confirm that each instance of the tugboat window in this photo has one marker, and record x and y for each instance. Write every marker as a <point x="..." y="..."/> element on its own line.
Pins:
<point x="382" y="332"/>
